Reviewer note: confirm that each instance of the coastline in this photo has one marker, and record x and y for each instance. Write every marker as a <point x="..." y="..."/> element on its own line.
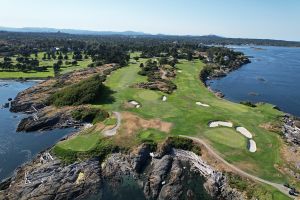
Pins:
<point x="74" y="133"/>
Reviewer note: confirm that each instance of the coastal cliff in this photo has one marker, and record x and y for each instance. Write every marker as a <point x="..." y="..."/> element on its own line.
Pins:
<point x="174" y="174"/>
<point x="43" y="115"/>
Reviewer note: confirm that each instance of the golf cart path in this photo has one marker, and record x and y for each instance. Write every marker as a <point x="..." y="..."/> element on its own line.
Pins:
<point x="114" y="130"/>
<point x="280" y="187"/>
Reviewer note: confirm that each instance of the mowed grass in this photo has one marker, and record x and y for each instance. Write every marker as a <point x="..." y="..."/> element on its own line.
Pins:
<point x="190" y="119"/>
<point x="49" y="72"/>
<point x="227" y="137"/>
<point x="151" y="134"/>
<point x="81" y="143"/>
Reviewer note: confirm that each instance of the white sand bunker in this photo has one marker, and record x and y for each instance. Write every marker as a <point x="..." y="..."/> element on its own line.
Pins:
<point x="179" y="71"/>
<point x="219" y="123"/>
<point x="135" y="104"/>
<point x="87" y="126"/>
<point x="252" y="146"/>
<point x="244" y="132"/>
<point x="164" y="98"/>
<point x="202" y="104"/>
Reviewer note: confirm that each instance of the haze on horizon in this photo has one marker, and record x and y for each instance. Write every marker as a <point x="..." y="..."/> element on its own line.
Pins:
<point x="271" y="19"/>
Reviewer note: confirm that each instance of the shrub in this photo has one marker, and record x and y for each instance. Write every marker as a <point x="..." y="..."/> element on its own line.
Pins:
<point x="84" y="92"/>
<point x="248" y="103"/>
<point x="205" y="72"/>
<point x="68" y="156"/>
<point x="89" y="115"/>
<point x="184" y="144"/>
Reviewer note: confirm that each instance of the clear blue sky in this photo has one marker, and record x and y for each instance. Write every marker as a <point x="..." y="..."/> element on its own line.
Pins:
<point x="276" y="19"/>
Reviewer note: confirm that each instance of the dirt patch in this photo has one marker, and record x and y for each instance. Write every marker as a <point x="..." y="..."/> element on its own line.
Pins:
<point x="269" y="126"/>
<point x="132" y="124"/>
<point x="291" y="154"/>
<point x="246" y="166"/>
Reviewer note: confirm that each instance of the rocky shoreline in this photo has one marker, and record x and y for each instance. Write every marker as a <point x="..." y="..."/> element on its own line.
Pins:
<point x="214" y="71"/>
<point x="159" y="175"/>
<point x="46" y="117"/>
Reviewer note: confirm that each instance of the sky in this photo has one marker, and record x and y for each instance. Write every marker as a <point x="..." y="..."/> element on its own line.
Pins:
<point x="272" y="19"/>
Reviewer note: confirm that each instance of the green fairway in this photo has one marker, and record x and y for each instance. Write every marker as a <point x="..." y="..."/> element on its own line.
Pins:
<point x="190" y="119"/>
<point x="82" y="142"/>
<point x="151" y="134"/>
<point x="44" y="74"/>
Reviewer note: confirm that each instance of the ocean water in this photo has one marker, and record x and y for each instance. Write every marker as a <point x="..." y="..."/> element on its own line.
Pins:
<point x="17" y="148"/>
<point x="273" y="76"/>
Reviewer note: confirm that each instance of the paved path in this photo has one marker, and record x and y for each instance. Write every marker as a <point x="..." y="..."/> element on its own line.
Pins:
<point x="280" y="187"/>
<point x="114" y="130"/>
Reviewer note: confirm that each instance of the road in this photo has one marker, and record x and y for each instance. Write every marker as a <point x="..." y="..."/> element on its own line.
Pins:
<point x="280" y="187"/>
<point x="114" y="130"/>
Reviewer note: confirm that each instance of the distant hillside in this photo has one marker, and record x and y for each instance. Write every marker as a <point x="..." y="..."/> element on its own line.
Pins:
<point x="28" y="32"/>
<point x="70" y="31"/>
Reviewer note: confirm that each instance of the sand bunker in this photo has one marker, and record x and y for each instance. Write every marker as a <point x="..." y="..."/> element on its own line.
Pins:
<point x="202" y="104"/>
<point x="252" y="146"/>
<point x="244" y="132"/>
<point x="179" y="71"/>
<point x="135" y="104"/>
<point x="164" y="98"/>
<point x="219" y="123"/>
<point x="87" y="126"/>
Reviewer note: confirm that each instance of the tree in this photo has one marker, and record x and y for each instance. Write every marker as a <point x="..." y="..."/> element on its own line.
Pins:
<point x="163" y="61"/>
<point x="7" y="59"/>
<point x="59" y="62"/>
<point x="74" y="62"/>
<point x="189" y="56"/>
<point x="56" y="69"/>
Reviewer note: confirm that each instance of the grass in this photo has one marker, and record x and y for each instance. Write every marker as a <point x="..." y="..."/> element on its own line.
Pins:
<point x="190" y="119"/>
<point x="82" y="142"/>
<point x="45" y="74"/>
<point x="110" y="121"/>
<point x="227" y="137"/>
<point x="255" y="190"/>
<point x="151" y="134"/>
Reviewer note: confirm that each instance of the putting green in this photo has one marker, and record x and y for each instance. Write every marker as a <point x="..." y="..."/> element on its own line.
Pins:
<point x="228" y="137"/>
<point x="148" y="95"/>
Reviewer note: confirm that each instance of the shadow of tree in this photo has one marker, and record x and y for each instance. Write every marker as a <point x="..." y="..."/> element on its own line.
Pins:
<point x="105" y="96"/>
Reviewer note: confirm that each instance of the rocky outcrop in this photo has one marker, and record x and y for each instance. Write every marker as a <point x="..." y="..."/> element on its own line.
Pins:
<point x="34" y="100"/>
<point x="291" y="130"/>
<point x="157" y="85"/>
<point x="178" y="175"/>
<point x="46" y="119"/>
<point x="53" y="180"/>
<point x="36" y="96"/>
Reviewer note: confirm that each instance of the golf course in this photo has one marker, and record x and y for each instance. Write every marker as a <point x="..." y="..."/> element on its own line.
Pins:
<point x="49" y="72"/>
<point x="187" y="118"/>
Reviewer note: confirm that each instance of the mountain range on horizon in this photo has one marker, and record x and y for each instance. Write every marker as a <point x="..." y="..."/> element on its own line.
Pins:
<point x="86" y="32"/>
<point x="210" y="37"/>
